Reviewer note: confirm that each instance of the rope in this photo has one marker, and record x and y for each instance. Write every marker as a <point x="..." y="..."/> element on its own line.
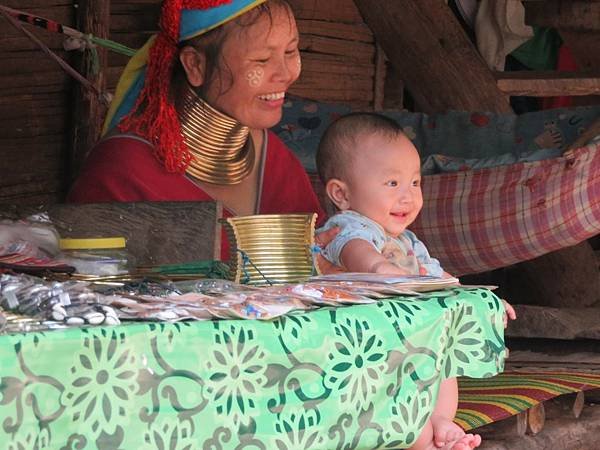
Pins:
<point x="59" y="61"/>
<point x="76" y="35"/>
<point x="314" y="251"/>
<point x="247" y="260"/>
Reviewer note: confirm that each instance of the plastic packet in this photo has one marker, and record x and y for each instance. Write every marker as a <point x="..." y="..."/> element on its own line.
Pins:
<point x="34" y="237"/>
<point x="71" y="302"/>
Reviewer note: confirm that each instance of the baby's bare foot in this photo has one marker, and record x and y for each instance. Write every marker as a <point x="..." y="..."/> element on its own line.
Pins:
<point x="467" y="442"/>
<point x="445" y="431"/>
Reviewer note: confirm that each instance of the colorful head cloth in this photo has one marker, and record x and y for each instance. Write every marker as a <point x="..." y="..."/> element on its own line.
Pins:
<point x="147" y="76"/>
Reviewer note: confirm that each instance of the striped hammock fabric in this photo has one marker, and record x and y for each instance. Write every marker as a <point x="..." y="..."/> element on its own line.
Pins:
<point x="479" y="220"/>
<point x="487" y="400"/>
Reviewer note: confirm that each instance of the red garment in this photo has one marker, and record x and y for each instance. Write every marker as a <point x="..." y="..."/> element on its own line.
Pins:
<point x="124" y="169"/>
<point x="566" y="63"/>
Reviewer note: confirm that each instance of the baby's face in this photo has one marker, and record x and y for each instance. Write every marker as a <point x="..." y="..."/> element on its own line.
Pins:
<point x="384" y="182"/>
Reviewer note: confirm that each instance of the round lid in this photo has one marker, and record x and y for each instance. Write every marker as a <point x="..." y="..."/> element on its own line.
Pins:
<point x="92" y="243"/>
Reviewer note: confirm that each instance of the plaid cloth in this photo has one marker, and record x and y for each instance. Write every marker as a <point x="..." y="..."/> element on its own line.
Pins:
<point x="479" y="220"/>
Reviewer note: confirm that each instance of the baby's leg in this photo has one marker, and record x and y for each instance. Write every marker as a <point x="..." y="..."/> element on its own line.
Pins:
<point x="440" y="432"/>
<point x="444" y="429"/>
<point x="467" y="442"/>
<point x="425" y="441"/>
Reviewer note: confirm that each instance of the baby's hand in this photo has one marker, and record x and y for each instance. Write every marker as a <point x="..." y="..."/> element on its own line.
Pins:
<point x="322" y="239"/>
<point x="509" y="312"/>
<point x="386" y="267"/>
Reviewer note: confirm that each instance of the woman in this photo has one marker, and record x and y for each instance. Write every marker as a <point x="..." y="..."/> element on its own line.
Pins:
<point x="192" y="110"/>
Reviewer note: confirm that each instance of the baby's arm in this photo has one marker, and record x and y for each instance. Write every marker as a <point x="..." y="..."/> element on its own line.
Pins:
<point x="359" y="255"/>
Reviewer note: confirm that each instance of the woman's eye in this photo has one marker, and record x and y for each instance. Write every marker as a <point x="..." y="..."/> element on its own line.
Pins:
<point x="392" y="183"/>
<point x="416" y="183"/>
<point x="291" y="52"/>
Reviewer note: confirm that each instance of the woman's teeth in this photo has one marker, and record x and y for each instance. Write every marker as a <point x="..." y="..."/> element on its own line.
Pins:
<point x="271" y="97"/>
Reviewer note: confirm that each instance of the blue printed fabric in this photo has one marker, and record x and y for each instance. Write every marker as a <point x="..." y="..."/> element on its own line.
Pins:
<point x="456" y="140"/>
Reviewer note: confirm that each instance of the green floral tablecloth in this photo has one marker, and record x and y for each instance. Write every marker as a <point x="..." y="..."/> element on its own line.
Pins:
<point x="353" y="377"/>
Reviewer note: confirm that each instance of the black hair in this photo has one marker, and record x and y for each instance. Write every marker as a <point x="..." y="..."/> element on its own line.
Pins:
<point x="211" y="44"/>
<point x="340" y="140"/>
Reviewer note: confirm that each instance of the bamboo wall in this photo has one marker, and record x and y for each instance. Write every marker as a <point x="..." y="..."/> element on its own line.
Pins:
<point x="338" y="52"/>
<point x="339" y="65"/>
<point x="34" y="109"/>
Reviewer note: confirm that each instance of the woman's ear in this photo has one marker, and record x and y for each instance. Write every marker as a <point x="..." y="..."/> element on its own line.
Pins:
<point x="337" y="191"/>
<point x="194" y="64"/>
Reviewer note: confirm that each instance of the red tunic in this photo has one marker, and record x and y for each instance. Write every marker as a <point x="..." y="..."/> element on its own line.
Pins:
<point x="124" y="169"/>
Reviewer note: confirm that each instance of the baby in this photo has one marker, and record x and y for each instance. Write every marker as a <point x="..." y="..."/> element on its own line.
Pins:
<point x="372" y="173"/>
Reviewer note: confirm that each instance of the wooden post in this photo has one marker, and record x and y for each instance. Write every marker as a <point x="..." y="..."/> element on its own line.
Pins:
<point x="521" y="426"/>
<point x="536" y="418"/>
<point x="440" y="66"/>
<point x="93" y="17"/>
<point x="380" y="72"/>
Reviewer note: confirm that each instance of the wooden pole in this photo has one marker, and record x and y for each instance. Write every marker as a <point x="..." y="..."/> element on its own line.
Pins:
<point x="440" y="66"/>
<point x="380" y="73"/>
<point x="93" y="17"/>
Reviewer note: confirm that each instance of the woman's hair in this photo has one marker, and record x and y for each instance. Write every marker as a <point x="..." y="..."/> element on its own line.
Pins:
<point x="343" y="138"/>
<point x="211" y="43"/>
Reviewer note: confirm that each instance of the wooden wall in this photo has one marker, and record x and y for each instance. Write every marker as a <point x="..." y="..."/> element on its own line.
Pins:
<point x="34" y="109"/>
<point x="339" y="65"/>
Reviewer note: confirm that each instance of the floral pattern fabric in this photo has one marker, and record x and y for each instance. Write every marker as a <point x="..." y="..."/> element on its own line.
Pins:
<point x="364" y="376"/>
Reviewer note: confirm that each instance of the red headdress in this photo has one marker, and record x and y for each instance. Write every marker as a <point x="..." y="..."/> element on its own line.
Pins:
<point x="158" y="121"/>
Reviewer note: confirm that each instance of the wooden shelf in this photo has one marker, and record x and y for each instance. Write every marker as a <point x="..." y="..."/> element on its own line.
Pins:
<point x="548" y="84"/>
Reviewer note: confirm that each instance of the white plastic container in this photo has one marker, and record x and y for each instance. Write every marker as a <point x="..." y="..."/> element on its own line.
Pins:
<point x="96" y="256"/>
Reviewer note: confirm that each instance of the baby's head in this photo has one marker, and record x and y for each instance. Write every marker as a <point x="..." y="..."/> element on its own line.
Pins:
<point x="368" y="165"/>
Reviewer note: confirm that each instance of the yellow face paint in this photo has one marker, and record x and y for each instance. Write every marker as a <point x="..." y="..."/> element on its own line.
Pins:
<point x="255" y="77"/>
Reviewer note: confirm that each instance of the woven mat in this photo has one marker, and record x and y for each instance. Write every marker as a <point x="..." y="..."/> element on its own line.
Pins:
<point x="483" y="401"/>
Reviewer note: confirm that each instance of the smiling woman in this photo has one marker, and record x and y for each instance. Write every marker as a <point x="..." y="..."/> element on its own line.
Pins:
<point x="190" y="117"/>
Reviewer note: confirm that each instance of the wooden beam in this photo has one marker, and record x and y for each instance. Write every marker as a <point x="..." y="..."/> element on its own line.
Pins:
<point x="156" y="232"/>
<point x="548" y="84"/>
<point x="569" y="15"/>
<point x="88" y="110"/>
<point x="440" y="66"/>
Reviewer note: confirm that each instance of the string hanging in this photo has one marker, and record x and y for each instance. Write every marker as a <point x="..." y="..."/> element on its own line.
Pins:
<point x="72" y="33"/>
<point x="247" y="260"/>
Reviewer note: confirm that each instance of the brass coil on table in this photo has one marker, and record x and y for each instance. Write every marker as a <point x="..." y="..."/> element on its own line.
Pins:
<point x="277" y="247"/>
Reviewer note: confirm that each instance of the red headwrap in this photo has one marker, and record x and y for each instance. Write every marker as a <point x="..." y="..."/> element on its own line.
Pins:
<point x="158" y="122"/>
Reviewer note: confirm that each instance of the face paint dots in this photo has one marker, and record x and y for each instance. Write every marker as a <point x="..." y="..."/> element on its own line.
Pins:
<point x="255" y="77"/>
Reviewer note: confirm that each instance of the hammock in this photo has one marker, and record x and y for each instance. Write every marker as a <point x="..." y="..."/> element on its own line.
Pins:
<point x="480" y="220"/>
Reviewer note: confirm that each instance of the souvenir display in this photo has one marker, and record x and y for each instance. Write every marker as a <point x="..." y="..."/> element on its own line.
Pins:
<point x="30" y="245"/>
<point x="71" y="302"/>
<point x="403" y="283"/>
<point x="34" y="303"/>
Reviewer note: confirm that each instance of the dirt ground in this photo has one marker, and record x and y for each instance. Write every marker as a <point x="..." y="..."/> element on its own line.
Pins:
<point x="562" y="433"/>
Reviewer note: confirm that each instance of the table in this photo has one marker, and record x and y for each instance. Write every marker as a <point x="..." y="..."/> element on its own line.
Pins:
<point x="360" y="376"/>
